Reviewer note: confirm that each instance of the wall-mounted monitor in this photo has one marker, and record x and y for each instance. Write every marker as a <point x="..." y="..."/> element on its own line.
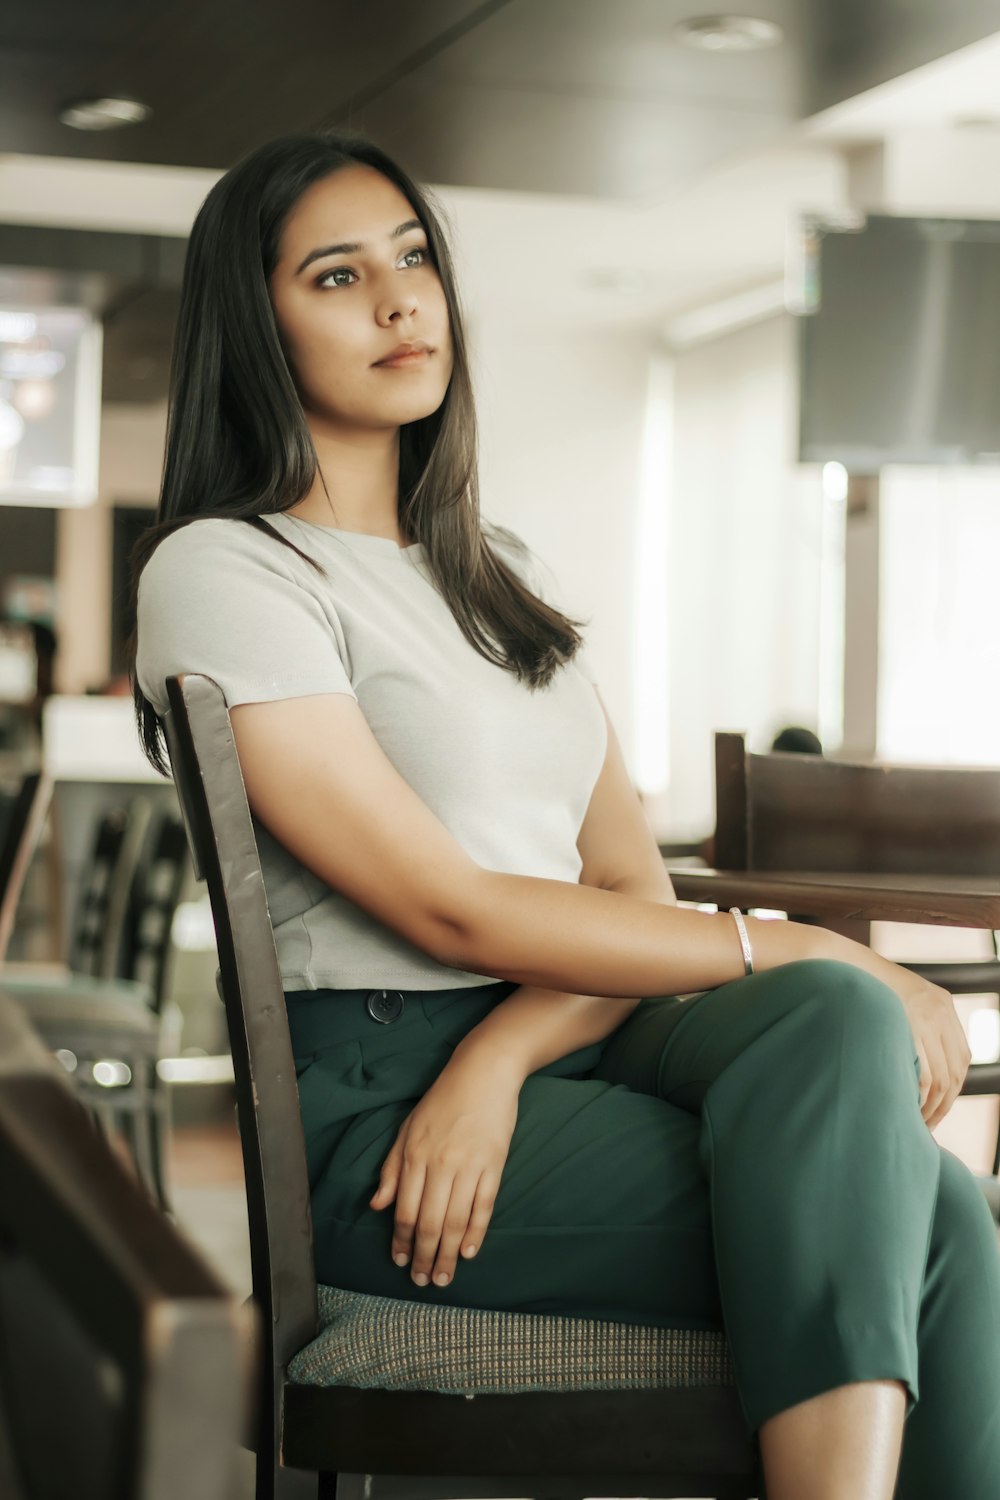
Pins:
<point x="900" y="342"/>
<point x="50" y="405"/>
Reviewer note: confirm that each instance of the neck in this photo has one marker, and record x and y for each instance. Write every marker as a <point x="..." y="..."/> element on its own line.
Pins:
<point x="361" y="470"/>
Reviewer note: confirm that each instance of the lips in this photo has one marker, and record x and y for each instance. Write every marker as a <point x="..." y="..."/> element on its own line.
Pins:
<point x="411" y="351"/>
<point x="408" y="359"/>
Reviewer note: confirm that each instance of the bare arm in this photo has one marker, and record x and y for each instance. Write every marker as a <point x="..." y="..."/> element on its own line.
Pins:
<point x="320" y="782"/>
<point x="533" y="1026"/>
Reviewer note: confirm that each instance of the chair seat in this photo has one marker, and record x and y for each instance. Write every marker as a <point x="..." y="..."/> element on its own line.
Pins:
<point x="87" y="1011"/>
<point x="40" y="972"/>
<point x="391" y="1344"/>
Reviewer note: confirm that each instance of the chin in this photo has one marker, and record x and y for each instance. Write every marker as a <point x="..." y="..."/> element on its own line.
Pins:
<point x="418" y="406"/>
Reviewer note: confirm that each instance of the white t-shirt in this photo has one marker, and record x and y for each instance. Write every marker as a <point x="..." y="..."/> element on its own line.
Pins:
<point x="507" y="769"/>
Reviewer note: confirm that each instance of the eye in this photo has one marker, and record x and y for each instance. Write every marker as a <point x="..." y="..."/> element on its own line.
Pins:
<point x="324" y="280"/>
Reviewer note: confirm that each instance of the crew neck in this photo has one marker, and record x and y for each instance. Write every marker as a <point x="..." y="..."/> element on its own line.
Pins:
<point x="359" y="541"/>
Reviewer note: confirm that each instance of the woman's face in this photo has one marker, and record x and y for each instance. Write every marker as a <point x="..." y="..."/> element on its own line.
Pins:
<point x="339" y="313"/>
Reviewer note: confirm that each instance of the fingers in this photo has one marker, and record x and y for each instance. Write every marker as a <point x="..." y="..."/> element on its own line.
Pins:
<point x="441" y="1228"/>
<point x="925" y="1076"/>
<point x="389" y="1175"/>
<point x="954" y="1065"/>
<point x="439" y="1215"/>
<point x="469" y="1212"/>
<point x="949" y="1057"/>
<point x="409" y="1194"/>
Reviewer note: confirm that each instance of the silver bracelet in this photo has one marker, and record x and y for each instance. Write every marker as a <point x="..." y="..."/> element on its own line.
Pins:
<point x="741" y="928"/>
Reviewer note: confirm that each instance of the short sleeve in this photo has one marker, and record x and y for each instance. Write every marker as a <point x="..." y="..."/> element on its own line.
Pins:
<point x="542" y="581"/>
<point x="217" y="597"/>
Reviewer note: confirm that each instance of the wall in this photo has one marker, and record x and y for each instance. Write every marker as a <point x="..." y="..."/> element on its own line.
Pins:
<point x="131" y="454"/>
<point x="561" y="421"/>
<point x="744" y="560"/>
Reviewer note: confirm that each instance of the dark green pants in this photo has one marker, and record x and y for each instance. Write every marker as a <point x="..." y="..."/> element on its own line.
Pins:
<point x="752" y="1159"/>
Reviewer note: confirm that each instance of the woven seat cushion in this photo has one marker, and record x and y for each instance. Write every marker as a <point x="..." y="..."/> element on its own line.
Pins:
<point x="389" y="1344"/>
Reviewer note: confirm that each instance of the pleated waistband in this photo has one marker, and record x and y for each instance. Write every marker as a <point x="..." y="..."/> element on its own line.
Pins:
<point x="322" y="1018"/>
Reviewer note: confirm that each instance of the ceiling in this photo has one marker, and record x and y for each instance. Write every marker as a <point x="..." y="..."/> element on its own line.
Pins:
<point x="574" y="98"/>
<point x="554" y="96"/>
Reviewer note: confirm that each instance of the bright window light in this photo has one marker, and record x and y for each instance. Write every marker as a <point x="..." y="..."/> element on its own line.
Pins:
<point x="193" y="928"/>
<point x="651" y="676"/>
<point x="832" y="586"/>
<point x="204" y="1069"/>
<point x="984" y="1035"/>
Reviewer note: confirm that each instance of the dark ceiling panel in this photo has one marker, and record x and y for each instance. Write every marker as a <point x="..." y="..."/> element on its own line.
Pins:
<point x="862" y="43"/>
<point x="219" y="77"/>
<point x="591" y="99"/>
<point x="564" y="96"/>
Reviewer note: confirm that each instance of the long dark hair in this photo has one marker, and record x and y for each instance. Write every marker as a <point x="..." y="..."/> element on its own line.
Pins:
<point x="238" y="445"/>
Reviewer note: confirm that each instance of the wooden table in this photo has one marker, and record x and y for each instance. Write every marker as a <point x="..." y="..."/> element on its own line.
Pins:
<point x="940" y="900"/>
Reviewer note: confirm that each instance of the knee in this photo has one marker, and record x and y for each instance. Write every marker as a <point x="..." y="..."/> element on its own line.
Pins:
<point x="849" y="997"/>
<point x="963" y="1212"/>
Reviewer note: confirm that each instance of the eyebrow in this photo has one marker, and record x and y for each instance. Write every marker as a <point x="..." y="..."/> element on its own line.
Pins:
<point x="353" y="246"/>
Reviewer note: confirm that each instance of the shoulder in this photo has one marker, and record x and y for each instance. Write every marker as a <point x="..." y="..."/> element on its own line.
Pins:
<point x="214" y="546"/>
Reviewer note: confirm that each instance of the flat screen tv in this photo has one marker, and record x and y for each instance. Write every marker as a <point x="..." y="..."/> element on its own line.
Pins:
<point x="899" y="343"/>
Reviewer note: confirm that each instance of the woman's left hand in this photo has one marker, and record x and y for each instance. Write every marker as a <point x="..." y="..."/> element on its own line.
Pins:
<point x="445" y="1166"/>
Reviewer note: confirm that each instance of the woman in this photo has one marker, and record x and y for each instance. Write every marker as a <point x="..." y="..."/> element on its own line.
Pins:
<point x="442" y="808"/>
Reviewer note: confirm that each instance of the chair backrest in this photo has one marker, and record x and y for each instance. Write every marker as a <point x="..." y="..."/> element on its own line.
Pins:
<point x="220" y="831"/>
<point x="90" y="938"/>
<point x="125" y="1363"/>
<point x="797" y="812"/>
<point x="153" y="900"/>
<point x="26" y="812"/>
<point x="110" y="936"/>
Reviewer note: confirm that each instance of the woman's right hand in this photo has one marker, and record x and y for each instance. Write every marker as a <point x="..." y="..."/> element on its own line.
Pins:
<point x="445" y="1165"/>
<point x="940" y="1042"/>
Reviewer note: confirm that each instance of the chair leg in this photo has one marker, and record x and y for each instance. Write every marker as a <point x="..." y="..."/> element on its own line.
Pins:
<point x="134" y="1127"/>
<point x="159" y="1129"/>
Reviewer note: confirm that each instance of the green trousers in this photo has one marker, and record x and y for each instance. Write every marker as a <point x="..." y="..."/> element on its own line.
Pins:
<point x="751" y="1159"/>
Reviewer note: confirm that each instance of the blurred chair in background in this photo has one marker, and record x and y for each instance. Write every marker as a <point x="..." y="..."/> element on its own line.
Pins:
<point x="103" y="1013"/>
<point x="126" y="1366"/>
<point x="23" y="810"/>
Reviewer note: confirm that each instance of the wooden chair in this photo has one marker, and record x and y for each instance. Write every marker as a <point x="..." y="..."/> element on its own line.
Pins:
<point x="125" y="1364"/>
<point x="356" y="1389"/>
<point x="805" y="813"/>
<point x="102" y="1014"/>
<point x="25" y="811"/>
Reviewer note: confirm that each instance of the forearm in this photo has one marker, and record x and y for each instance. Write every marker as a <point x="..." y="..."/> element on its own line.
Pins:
<point x="577" y="939"/>
<point x="534" y="1026"/>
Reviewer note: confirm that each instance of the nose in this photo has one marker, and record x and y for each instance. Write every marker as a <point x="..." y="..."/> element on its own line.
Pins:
<point x="398" y="306"/>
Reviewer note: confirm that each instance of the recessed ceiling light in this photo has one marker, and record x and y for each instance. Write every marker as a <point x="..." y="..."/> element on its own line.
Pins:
<point x="728" y="33"/>
<point x="104" y="114"/>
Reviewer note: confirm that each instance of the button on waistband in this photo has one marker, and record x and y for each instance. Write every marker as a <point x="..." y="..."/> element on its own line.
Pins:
<point x="384" y="1005"/>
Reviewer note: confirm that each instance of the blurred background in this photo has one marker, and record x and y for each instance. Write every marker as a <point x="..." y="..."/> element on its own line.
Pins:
<point x="733" y="294"/>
